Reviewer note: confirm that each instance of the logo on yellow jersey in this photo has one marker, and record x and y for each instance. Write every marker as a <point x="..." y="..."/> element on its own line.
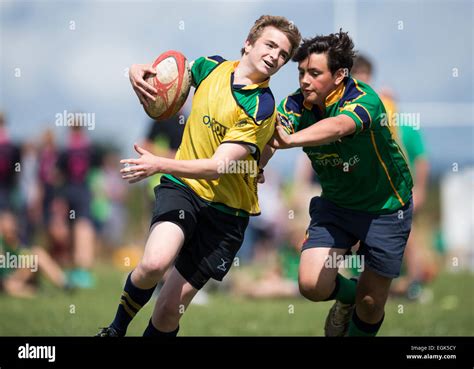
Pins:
<point x="214" y="125"/>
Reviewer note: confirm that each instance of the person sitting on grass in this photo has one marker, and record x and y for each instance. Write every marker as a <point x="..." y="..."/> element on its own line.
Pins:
<point x="19" y="264"/>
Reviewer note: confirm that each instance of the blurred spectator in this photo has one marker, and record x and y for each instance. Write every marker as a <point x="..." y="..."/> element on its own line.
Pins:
<point x="75" y="163"/>
<point x="59" y="232"/>
<point x="109" y="194"/>
<point x="15" y="278"/>
<point x="47" y="172"/>
<point x="55" y="212"/>
<point x="30" y="195"/>
<point x="9" y="169"/>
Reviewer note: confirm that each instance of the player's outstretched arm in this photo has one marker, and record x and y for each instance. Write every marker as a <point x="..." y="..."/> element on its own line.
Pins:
<point x="325" y="131"/>
<point x="148" y="164"/>
<point x="144" y="91"/>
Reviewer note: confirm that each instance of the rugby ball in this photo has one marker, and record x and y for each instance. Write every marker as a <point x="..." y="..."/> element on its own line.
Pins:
<point x="172" y="82"/>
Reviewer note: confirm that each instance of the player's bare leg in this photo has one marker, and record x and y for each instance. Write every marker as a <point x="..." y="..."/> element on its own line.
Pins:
<point x="162" y="246"/>
<point x="17" y="284"/>
<point x="49" y="267"/>
<point x="371" y="296"/>
<point x="83" y="253"/>
<point x="316" y="281"/>
<point x="84" y="235"/>
<point x="174" y="298"/>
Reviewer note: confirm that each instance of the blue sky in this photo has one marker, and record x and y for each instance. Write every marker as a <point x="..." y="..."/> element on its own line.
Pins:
<point x="73" y="55"/>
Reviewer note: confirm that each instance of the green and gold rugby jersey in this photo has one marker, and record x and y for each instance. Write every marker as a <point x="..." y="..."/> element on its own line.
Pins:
<point x="364" y="171"/>
<point x="224" y="112"/>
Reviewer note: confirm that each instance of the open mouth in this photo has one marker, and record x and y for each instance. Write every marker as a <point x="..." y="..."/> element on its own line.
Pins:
<point x="270" y="65"/>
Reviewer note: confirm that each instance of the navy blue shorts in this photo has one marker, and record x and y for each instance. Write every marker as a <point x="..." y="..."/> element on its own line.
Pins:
<point x="382" y="237"/>
<point x="212" y="237"/>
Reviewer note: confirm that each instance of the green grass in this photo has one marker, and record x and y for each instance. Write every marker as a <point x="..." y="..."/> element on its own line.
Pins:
<point x="55" y="313"/>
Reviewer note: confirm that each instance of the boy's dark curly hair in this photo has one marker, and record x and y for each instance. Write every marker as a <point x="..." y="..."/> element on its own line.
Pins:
<point x="338" y="47"/>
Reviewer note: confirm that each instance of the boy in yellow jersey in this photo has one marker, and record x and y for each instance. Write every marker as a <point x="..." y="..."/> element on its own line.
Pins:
<point x="210" y="189"/>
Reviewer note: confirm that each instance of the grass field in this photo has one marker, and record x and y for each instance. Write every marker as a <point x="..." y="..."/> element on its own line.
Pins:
<point x="448" y="310"/>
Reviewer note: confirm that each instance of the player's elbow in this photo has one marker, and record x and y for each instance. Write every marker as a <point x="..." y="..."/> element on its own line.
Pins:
<point x="213" y="170"/>
<point x="338" y="133"/>
<point x="213" y="175"/>
<point x="216" y="167"/>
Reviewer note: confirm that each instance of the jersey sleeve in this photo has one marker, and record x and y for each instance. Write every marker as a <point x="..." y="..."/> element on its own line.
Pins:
<point x="256" y="123"/>
<point x="290" y="111"/>
<point x="203" y="66"/>
<point x="363" y="112"/>
<point x="256" y="136"/>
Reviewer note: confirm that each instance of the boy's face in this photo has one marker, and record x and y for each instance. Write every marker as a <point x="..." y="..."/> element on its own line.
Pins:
<point x="269" y="52"/>
<point x="316" y="80"/>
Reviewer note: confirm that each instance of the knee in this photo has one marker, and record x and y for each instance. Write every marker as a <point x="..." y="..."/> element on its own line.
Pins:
<point x="168" y="313"/>
<point x="371" y="304"/>
<point x="150" y="269"/>
<point x="313" y="290"/>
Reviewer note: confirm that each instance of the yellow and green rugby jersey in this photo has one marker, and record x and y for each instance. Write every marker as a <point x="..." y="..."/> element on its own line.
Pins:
<point x="364" y="171"/>
<point x="224" y="112"/>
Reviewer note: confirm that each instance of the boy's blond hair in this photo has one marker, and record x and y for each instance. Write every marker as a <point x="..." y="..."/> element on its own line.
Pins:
<point x="280" y="23"/>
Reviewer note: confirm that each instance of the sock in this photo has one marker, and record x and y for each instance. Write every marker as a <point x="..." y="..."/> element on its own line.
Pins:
<point x="359" y="328"/>
<point x="345" y="290"/>
<point x="131" y="301"/>
<point x="151" y="331"/>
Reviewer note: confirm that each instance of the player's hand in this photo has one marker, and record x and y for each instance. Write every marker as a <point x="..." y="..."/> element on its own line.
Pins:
<point x="137" y="169"/>
<point x="144" y="90"/>
<point x="280" y="139"/>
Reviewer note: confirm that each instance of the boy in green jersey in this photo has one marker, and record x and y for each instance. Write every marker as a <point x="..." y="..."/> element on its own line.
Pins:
<point x="365" y="179"/>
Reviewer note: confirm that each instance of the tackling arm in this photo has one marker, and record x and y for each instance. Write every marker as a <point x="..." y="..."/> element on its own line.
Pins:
<point x="325" y="131"/>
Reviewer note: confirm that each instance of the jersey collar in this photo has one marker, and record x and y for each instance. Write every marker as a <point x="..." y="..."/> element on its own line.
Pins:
<point x="336" y="95"/>
<point x="253" y="86"/>
<point x="332" y="98"/>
